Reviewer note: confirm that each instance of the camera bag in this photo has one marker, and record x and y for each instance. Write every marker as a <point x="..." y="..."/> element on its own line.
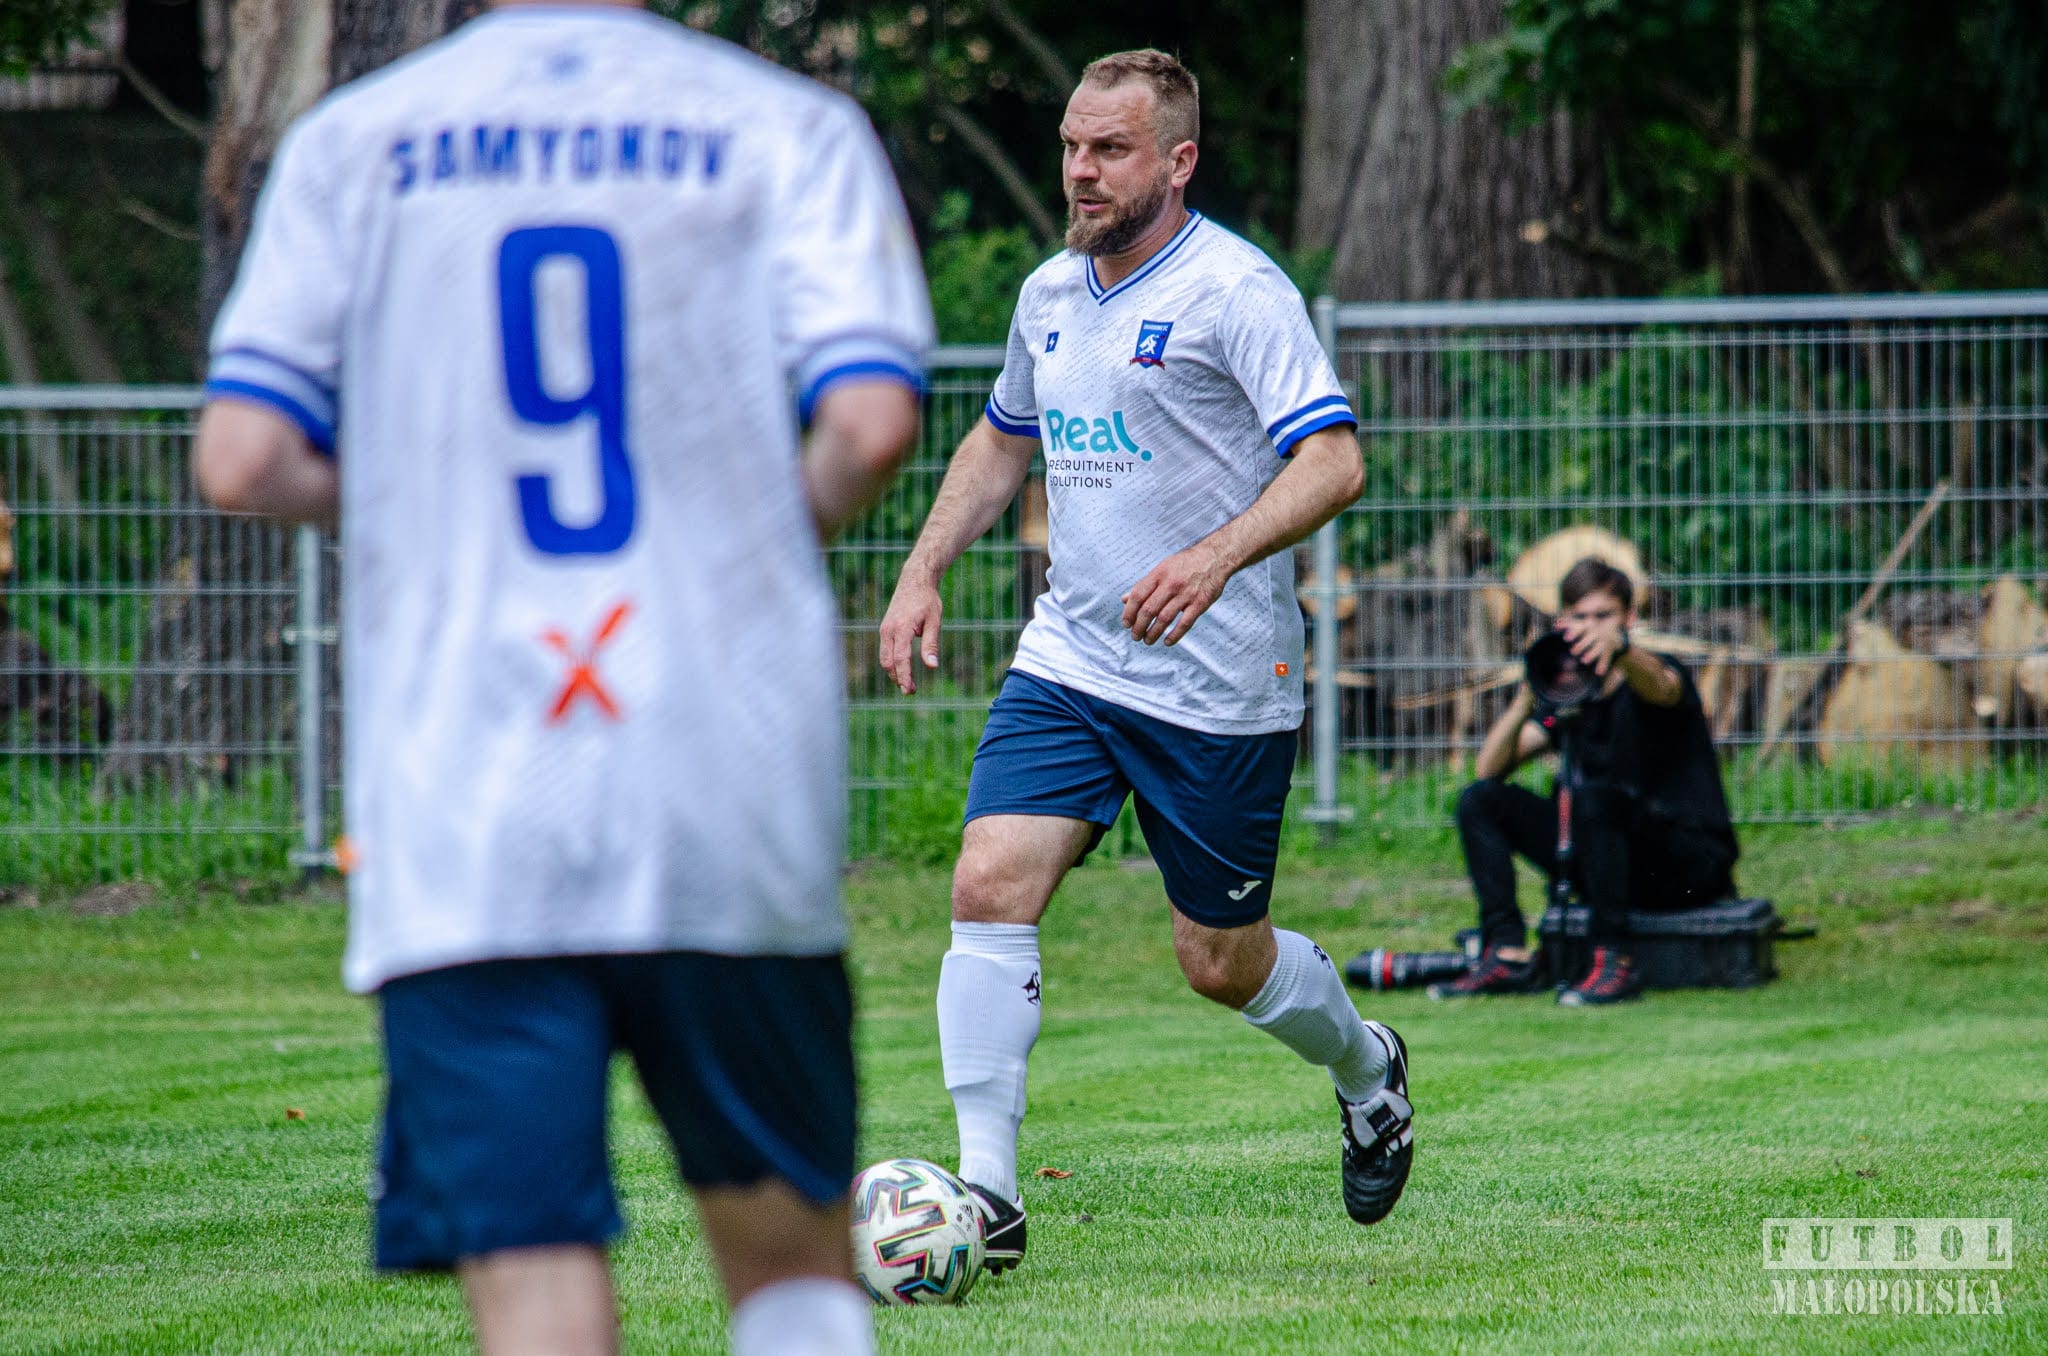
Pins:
<point x="1723" y="946"/>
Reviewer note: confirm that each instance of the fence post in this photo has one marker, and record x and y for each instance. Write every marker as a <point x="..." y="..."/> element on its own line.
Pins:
<point x="1323" y="692"/>
<point x="310" y="633"/>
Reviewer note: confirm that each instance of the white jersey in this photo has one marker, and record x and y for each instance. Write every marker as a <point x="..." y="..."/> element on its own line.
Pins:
<point x="558" y="286"/>
<point x="1165" y="405"/>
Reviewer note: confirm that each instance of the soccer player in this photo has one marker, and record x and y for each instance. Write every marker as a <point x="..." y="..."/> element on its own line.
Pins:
<point x="1192" y="430"/>
<point x="527" y="310"/>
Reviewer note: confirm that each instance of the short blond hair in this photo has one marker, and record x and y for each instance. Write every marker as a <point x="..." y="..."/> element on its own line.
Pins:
<point x="1176" y="98"/>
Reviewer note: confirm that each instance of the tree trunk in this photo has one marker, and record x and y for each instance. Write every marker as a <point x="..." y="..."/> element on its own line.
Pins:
<point x="276" y="65"/>
<point x="1416" y="205"/>
<point x="212" y="676"/>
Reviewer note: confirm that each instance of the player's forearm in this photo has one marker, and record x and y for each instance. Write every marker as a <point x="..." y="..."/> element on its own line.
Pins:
<point x="1321" y="480"/>
<point x="859" y="436"/>
<point x="981" y="482"/>
<point x="249" y="459"/>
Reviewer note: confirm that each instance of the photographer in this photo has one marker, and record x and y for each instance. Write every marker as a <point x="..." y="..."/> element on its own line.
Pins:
<point x="1649" y="820"/>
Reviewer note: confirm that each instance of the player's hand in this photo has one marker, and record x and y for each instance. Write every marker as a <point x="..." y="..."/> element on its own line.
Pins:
<point x="910" y="631"/>
<point x="1594" y="644"/>
<point x="1179" y="589"/>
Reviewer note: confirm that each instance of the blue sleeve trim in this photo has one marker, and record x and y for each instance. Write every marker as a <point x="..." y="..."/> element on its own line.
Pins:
<point x="996" y="404"/>
<point x="853" y="346"/>
<point x="326" y="388"/>
<point x="871" y="369"/>
<point x="1327" y="402"/>
<point x="1015" y="430"/>
<point x="1330" y="420"/>
<point x="317" y="431"/>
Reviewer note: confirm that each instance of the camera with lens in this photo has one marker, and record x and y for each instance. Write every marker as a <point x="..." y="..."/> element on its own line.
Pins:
<point x="1561" y="683"/>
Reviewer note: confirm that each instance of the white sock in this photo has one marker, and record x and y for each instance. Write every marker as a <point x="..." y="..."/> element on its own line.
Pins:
<point x="988" y="1022"/>
<point x="1303" y="1005"/>
<point x="804" y="1316"/>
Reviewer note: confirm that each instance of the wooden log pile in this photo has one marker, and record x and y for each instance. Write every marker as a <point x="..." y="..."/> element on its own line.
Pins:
<point x="1430" y="649"/>
<point x="1935" y="672"/>
<point x="1423" y="640"/>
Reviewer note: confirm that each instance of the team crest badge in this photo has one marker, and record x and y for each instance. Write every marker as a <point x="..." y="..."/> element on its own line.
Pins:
<point x="1151" y="351"/>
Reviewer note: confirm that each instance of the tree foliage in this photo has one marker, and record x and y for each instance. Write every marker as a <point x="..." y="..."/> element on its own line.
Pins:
<point x="1794" y="144"/>
<point x="967" y="95"/>
<point x="35" y="31"/>
<point x="1010" y="64"/>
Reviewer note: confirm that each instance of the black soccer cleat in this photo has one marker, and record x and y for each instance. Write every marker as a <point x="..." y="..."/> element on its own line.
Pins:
<point x="1613" y="979"/>
<point x="1493" y="975"/>
<point x="1379" y="1138"/>
<point x="1002" y="1230"/>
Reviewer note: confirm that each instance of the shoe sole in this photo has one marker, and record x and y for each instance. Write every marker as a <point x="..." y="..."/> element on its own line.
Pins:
<point x="1570" y="999"/>
<point x="1003" y="1257"/>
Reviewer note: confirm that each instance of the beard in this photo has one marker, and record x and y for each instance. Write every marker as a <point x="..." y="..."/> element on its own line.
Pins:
<point x="1119" y="228"/>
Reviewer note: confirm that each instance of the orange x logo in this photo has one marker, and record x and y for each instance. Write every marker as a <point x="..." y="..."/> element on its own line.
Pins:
<point x="583" y="680"/>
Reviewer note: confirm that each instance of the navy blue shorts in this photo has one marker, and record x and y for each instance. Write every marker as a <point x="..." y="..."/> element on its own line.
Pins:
<point x="1210" y="805"/>
<point x="498" y="1078"/>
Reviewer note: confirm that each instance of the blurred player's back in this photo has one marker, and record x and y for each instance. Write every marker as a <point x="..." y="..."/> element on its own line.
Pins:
<point x="594" y="695"/>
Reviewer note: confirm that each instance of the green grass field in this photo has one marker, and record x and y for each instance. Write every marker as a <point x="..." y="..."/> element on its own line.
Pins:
<point x="1584" y="1180"/>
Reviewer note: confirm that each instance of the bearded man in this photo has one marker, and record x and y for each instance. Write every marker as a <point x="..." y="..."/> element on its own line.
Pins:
<point x="1193" y="430"/>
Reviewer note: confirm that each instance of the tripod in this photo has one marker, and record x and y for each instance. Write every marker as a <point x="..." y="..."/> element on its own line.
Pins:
<point x="1567" y="922"/>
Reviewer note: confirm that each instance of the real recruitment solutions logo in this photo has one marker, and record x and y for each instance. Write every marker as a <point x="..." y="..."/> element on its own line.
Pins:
<point x="1809" y="1256"/>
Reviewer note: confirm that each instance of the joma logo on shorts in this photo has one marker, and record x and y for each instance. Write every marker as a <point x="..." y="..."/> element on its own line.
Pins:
<point x="1078" y="433"/>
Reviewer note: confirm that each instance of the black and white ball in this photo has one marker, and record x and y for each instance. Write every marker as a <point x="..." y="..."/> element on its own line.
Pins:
<point x="917" y="1234"/>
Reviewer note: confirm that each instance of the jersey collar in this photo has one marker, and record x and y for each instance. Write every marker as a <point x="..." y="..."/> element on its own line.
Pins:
<point x="1150" y="266"/>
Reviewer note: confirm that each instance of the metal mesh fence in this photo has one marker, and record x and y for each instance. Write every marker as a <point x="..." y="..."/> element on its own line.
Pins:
<point x="1835" y="505"/>
<point x="1836" y="509"/>
<point x="909" y="755"/>
<point x="145" y="664"/>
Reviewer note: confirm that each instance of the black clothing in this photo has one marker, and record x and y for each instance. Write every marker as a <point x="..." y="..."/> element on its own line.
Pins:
<point x="1660" y="756"/>
<point x="1650" y="825"/>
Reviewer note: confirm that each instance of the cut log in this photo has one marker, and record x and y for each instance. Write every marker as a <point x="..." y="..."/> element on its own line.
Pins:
<point x="2032" y="677"/>
<point x="1690" y="647"/>
<point x="1538" y="571"/>
<point x="1499" y="602"/>
<point x="1729" y="650"/>
<point x="1034" y="522"/>
<point x="1310" y="592"/>
<point x="1034" y="543"/>
<point x="1346" y="678"/>
<point x="2013" y="626"/>
<point x="1817" y="685"/>
<point x="1785" y="693"/>
<point x="1935" y="622"/>
<point x="1891" y="701"/>
<point x="1506" y="675"/>
<point x="1423" y="630"/>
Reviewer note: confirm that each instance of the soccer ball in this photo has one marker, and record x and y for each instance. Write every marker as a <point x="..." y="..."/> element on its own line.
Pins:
<point x="916" y="1234"/>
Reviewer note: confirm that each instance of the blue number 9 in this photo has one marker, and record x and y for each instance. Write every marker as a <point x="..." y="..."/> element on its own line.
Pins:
<point x="519" y="258"/>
